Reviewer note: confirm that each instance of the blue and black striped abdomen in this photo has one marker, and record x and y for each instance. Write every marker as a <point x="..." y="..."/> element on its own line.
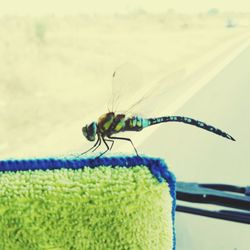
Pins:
<point x="190" y="121"/>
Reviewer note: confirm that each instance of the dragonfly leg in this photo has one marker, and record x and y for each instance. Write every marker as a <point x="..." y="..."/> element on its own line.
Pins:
<point x="105" y="142"/>
<point x="112" y="143"/>
<point x="125" y="139"/>
<point x="97" y="144"/>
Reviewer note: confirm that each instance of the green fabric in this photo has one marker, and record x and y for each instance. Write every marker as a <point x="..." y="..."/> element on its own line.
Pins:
<point x="99" y="208"/>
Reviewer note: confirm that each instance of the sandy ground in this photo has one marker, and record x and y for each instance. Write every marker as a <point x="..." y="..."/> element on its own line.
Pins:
<point x="56" y="73"/>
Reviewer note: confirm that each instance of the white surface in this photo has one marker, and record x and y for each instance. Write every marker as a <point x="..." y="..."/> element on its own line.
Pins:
<point x="196" y="155"/>
<point x="199" y="156"/>
<point x="202" y="233"/>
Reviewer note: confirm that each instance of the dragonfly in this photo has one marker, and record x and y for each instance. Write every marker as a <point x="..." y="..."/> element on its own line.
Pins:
<point x="112" y="123"/>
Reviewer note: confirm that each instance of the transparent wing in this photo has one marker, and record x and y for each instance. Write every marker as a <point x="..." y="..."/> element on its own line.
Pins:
<point x="127" y="80"/>
<point x="133" y="94"/>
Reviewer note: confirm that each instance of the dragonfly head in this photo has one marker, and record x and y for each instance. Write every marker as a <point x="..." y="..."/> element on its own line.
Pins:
<point x="89" y="131"/>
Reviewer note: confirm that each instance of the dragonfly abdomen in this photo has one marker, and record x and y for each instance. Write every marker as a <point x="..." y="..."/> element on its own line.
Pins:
<point x="190" y="121"/>
<point x="135" y="123"/>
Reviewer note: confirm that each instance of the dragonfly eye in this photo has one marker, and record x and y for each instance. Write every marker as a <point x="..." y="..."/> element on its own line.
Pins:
<point x="89" y="131"/>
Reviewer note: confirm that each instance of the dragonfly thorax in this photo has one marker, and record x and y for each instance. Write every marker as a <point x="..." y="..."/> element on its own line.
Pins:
<point x="90" y="131"/>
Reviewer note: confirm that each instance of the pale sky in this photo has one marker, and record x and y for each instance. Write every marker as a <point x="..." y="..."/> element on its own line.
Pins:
<point x="61" y="7"/>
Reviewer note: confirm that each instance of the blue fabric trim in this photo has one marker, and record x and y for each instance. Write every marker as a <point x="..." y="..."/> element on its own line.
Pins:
<point x="157" y="167"/>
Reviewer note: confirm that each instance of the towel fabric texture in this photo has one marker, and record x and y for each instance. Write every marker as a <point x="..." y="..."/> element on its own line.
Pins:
<point x="87" y="203"/>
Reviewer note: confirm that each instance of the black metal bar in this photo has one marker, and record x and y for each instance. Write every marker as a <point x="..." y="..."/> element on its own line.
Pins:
<point x="217" y="194"/>
<point x="235" y="216"/>
<point x="225" y="187"/>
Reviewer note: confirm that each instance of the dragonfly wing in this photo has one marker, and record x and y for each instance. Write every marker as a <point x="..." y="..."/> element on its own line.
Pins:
<point x="132" y="95"/>
<point x="126" y="80"/>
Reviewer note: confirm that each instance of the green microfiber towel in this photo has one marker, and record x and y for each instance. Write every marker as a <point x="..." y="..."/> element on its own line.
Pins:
<point x="95" y="203"/>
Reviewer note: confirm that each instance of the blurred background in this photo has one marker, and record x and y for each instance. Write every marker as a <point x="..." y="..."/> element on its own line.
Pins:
<point x="58" y="57"/>
<point x="56" y="64"/>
